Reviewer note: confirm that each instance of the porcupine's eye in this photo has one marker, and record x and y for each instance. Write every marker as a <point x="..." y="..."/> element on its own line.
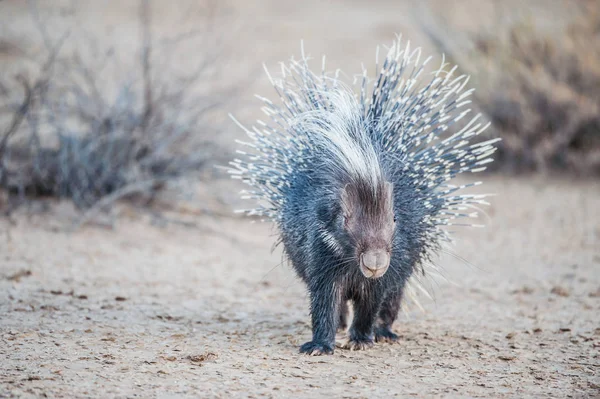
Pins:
<point x="346" y="220"/>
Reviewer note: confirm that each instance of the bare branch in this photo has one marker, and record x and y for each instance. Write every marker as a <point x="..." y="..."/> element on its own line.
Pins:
<point x="145" y="21"/>
<point x="71" y="138"/>
<point x="18" y="116"/>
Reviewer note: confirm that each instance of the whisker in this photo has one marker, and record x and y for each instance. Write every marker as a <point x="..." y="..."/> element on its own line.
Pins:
<point x="458" y="257"/>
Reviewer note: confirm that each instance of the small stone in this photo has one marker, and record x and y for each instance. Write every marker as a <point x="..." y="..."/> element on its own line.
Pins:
<point x="595" y="294"/>
<point x="506" y="358"/>
<point x="560" y="291"/>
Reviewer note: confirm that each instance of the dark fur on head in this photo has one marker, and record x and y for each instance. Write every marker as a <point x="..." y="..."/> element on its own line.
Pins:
<point x="370" y="223"/>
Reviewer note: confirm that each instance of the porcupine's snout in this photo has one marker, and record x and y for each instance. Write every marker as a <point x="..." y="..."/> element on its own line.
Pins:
<point x="374" y="263"/>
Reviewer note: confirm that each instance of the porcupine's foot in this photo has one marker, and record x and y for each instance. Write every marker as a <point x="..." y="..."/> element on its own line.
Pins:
<point x="315" y="348"/>
<point x="387" y="315"/>
<point x="358" y="342"/>
<point x="385" y="334"/>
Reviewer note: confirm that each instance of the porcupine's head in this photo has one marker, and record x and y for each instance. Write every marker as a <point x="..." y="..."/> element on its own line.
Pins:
<point x="345" y="157"/>
<point x="369" y="223"/>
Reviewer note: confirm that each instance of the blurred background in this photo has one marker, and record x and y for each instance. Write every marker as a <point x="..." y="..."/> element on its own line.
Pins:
<point x="131" y="96"/>
<point x="113" y="115"/>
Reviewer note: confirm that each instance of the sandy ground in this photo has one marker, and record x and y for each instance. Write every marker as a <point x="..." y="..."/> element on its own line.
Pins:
<point x="200" y="307"/>
<point x="174" y="311"/>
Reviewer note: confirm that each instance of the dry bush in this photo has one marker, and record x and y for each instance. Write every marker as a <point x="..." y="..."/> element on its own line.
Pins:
<point x="541" y="91"/>
<point x="64" y="136"/>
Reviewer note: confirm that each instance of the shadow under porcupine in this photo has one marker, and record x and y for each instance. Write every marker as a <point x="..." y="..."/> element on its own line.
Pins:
<point x="357" y="183"/>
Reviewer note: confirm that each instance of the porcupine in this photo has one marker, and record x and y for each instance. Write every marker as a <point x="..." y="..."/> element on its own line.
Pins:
<point x="357" y="182"/>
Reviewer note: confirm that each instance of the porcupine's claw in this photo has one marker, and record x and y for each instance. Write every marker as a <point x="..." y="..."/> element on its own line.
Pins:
<point x="313" y="348"/>
<point x="356" y="344"/>
<point x="384" y="334"/>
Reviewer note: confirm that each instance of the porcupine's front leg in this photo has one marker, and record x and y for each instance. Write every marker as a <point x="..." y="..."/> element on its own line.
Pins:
<point x="387" y="315"/>
<point x="324" y="310"/>
<point x="361" y="331"/>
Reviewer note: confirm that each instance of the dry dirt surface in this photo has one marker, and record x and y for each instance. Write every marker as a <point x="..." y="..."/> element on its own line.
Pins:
<point x="183" y="311"/>
<point x="200" y="307"/>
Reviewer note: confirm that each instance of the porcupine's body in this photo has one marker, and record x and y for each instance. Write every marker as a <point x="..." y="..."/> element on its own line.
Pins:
<point x="322" y="254"/>
<point x="357" y="184"/>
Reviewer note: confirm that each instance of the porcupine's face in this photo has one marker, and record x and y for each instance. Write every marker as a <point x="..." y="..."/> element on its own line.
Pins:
<point x="369" y="221"/>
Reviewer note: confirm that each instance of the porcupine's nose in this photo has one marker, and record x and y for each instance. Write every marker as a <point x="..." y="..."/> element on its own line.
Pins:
<point x="374" y="263"/>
